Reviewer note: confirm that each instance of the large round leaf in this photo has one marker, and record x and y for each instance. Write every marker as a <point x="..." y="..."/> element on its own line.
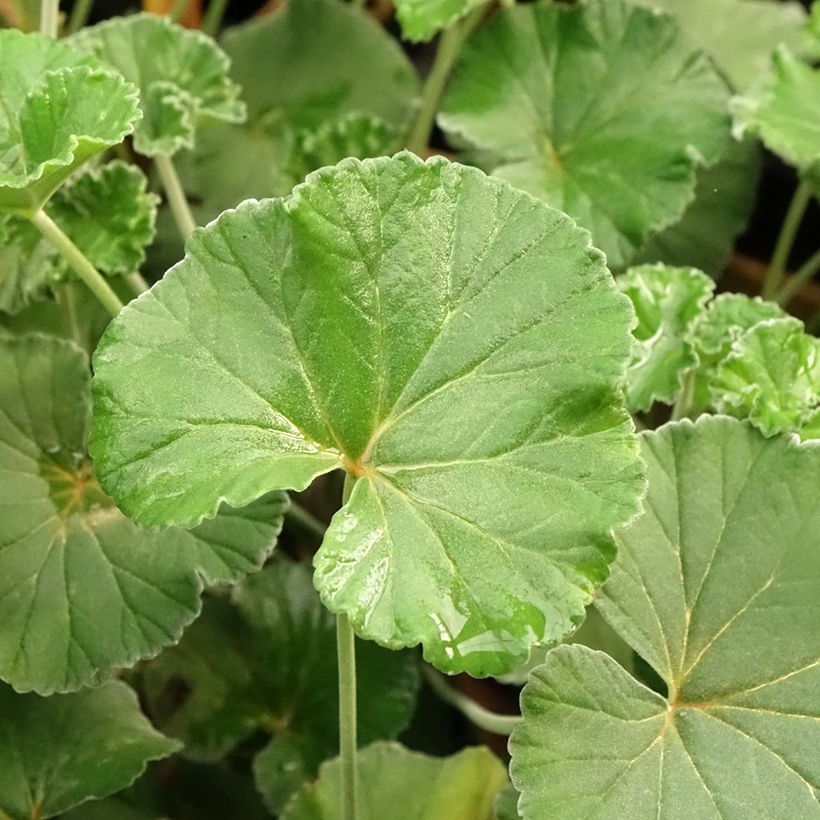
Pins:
<point x="451" y="342"/>
<point x="716" y="586"/>
<point x="83" y="590"/>
<point x="601" y="108"/>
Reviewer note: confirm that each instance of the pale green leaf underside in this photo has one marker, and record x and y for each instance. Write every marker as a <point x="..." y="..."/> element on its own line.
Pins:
<point x="785" y="111"/>
<point x="58" y="752"/>
<point x="83" y="590"/>
<point x="421" y="19"/>
<point x="453" y="341"/>
<point x="182" y="76"/>
<point x="716" y="585"/>
<point x="739" y="34"/>
<point x="602" y="109"/>
<point x="666" y="301"/>
<point x="56" y="111"/>
<point x="393" y="779"/>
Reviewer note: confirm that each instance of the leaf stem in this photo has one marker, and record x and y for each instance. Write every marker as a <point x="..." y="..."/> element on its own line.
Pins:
<point x="79" y="15"/>
<point x="481" y="717"/>
<point x="78" y="261"/>
<point x="299" y="515"/>
<point x="178" y="9"/>
<point x="683" y="403"/>
<point x="49" y="18"/>
<point x="176" y="195"/>
<point x="449" y="46"/>
<point x="136" y="281"/>
<point x="804" y="274"/>
<point x="785" y="241"/>
<point x="214" y="16"/>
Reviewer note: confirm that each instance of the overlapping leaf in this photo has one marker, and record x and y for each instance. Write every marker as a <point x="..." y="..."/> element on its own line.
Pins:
<point x="716" y="585"/>
<point x="666" y="301"/>
<point x="392" y="778"/>
<point x="58" y="752"/>
<point x="182" y="77"/>
<point x="421" y="19"/>
<point x="57" y="109"/>
<point x="603" y="109"/>
<point x="83" y="590"/>
<point x="453" y="343"/>
<point x="269" y="664"/>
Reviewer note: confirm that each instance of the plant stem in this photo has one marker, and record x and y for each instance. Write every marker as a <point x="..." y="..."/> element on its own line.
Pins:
<point x="449" y="47"/>
<point x="481" y="717"/>
<point x="213" y="17"/>
<point x="178" y="9"/>
<point x="76" y="258"/>
<point x="176" y="195"/>
<point x="805" y="273"/>
<point x="79" y="15"/>
<point x="785" y="241"/>
<point x="49" y="18"/>
<point x="683" y="404"/>
<point x="297" y="513"/>
<point x="65" y="299"/>
<point x="136" y="281"/>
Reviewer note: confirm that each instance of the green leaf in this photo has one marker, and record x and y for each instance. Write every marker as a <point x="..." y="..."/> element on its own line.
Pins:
<point x="785" y="111"/>
<point x="771" y="376"/>
<point x="602" y="109"/>
<point x="182" y="76"/>
<point x="57" y="110"/>
<point x="459" y="787"/>
<point x="60" y="751"/>
<point x="452" y="342"/>
<point x="724" y="197"/>
<point x="506" y="804"/>
<point x="28" y="264"/>
<point x="421" y="19"/>
<point x="739" y="34"/>
<point x="83" y="590"/>
<point x="268" y="663"/>
<point x="716" y="585"/>
<point x="666" y="301"/>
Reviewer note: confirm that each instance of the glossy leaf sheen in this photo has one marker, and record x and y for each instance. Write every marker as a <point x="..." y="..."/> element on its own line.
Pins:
<point x="716" y="586"/>
<point x="602" y="109"/>
<point x="459" y="787"/>
<point x="453" y="341"/>
<point x="83" y="590"/>
<point x="58" y="752"/>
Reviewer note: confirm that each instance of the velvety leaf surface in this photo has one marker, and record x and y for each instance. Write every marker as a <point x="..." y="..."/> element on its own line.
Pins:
<point x="716" y="586"/>
<point x="785" y="111"/>
<point x="60" y="751"/>
<point x="459" y="787"/>
<point x="771" y="376"/>
<point x="739" y="34"/>
<point x="602" y="109"/>
<point x="666" y="301"/>
<point x="452" y="342"/>
<point x="268" y="663"/>
<point x="182" y="76"/>
<point x="27" y="264"/>
<point x="83" y="590"/>
<point x="56" y="111"/>
<point x="421" y="19"/>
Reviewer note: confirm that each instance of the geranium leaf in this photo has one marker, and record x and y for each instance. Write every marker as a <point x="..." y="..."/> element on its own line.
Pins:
<point x="602" y="109"/>
<point x="506" y="804"/>
<point x="60" y="751"/>
<point x="666" y="301"/>
<point x="83" y="589"/>
<point x="740" y="35"/>
<point x="39" y="149"/>
<point x="268" y="664"/>
<point x="182" y="76"/>
<point x="342" y="327"/>
<point x="421" y="19"/>
<point x="459" y="787"/>
<point x="785" y="111"/>
<point x="771" y="376"/>
<point x="716" y="585"/>
<point x="28" y="263"/>
<point x="724" y="197"/>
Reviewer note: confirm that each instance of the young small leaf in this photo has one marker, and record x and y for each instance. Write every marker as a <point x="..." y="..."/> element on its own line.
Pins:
<point x="450" y="341"/>
<point x="602" y="109"/>
<point x="666" y="301"/>
<point x="57" y="110"/>
<point x="82" y="589"/>
<point x="60" y="751"/>
<point x="182" y="76"/>
<point x="421" y="19"/>
<point x="392" y="778"/>
<point x="716" y="585"/>
<point x="268" y="664"/>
